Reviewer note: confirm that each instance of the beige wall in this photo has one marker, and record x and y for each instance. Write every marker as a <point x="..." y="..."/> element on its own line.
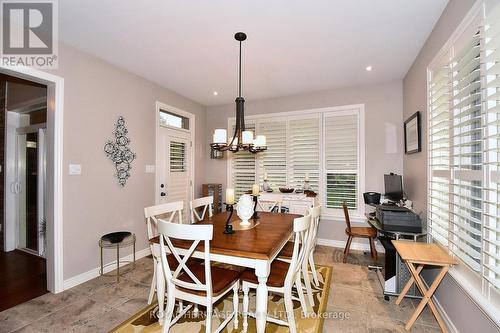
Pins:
<point x="95" y="94"/>
<point x="383" y="105"/>
<point x="465" y="315"/>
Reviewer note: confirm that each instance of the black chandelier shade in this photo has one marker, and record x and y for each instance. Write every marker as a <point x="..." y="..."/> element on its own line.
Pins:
<point x="242" y="139"/>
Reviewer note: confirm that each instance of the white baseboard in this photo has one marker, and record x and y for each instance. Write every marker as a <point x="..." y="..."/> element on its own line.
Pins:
<point x="354" y="245"/>
<point x="93" y="273"/>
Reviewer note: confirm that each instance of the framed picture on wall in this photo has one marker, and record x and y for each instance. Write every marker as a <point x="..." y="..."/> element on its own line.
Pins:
<point x="412" y="134"/>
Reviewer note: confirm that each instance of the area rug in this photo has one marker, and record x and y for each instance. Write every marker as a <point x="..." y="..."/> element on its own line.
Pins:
<point x="145" y="321"/>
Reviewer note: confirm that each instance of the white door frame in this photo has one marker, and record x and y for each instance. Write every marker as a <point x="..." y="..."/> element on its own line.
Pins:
<point x="192" y="119"/>
<point x="54" y="213"/>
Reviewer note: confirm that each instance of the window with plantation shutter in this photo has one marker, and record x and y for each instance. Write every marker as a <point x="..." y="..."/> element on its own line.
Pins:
<point x="341" y="160"/>
<point x="273" y="161"/>
<point x="464" y="151"/>
<point x="303" y="151"/>
<point x="243" y="167"/>
<point x="491" y="93"/>
<point x="323" y="143"/>
<point x="439" y="152"/>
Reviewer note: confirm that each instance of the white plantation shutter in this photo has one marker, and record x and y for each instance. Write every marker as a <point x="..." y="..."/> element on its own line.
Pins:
<point x="303" y="151"/>
<point x="243" y="166"/>
<point x="464" y="151"/>
<point x="341" y="159"/>
<point x="439" y="152"/>
<point x="491" y="93"/>
<point x="274" y="159"/>
<point x="466" y="148"/>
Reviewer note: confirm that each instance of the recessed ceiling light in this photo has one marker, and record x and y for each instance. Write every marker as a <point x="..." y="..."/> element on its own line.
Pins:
<point x="215" y="93"/>
<point x="369" y="68"/>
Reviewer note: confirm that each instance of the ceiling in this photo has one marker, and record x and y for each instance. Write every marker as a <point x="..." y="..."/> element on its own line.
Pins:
<point x="293" y="47"/>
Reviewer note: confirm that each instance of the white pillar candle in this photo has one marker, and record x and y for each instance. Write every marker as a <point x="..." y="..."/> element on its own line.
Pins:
<point x="220" y="136"/>
<point x="247" y="137"/>
<point x="255" y="189"/>
<point x="306" y="178"/>
<point x="230" y="196"/>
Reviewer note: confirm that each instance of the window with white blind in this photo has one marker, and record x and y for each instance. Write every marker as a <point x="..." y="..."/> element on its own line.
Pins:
<point x="341" y="159"/>
<point x="323" y="143"/>
<point x="464" y="137"/>
<point x="243" y="165"/>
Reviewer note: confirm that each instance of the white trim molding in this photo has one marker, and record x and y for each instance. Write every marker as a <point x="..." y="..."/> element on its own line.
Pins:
<point x="54" y="214"/>
<point x="95" y="272"/>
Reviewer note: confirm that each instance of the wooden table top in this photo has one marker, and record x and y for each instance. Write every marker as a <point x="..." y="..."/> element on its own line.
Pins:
<point x="261" y="242"/>
<point x="423" y="253"/>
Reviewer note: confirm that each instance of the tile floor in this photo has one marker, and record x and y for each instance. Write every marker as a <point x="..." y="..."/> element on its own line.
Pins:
<point x="355" y="303"/>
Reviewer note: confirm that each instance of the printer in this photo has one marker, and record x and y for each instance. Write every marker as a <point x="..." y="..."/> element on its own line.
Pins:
<point x="398" y="219"/>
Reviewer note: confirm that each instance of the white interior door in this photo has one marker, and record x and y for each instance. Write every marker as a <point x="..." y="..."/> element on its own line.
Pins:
<point x="175" y="167"/>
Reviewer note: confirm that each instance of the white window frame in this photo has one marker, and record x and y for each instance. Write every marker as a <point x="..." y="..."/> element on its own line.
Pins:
<point x="471" y="282"/>
<point x="329" y="214"/>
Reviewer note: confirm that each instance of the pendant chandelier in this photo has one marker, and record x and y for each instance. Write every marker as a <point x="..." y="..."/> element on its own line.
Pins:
<point x="242" y="139"/>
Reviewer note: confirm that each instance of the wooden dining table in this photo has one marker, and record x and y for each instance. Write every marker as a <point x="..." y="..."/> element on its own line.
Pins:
<point x="254" y="248"/>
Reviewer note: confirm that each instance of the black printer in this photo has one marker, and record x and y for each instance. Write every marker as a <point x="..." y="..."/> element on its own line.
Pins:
<point x="395" y="218"/>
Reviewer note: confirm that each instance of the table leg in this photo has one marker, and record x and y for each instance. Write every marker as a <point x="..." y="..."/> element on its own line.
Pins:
<point x="118" y="262"/>
<point x="427" y="295"/>
<point x="408" y="285"/>
<point x="262" y="270"/>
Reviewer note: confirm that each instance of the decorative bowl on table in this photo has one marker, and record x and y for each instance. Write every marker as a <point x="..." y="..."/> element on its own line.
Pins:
<point x="286" y="190"/>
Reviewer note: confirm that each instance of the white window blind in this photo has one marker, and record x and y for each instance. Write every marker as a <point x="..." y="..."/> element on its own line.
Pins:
<point x="243" y="167"/>
<point x="491" y="93"/>
<point x="464" y="141"/>
<point x="341" y="160"/>
<point x="273" y="161"/>
<point x="439" y="152"/>
<point x="303" y="151"/>
<point x="297" y="144"/>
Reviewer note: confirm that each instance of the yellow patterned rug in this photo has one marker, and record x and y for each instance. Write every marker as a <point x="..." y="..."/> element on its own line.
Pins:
<point x="145" y="321"/>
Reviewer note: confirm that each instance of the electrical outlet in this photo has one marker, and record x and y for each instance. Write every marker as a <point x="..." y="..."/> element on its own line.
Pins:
<point x="75" y="169"/>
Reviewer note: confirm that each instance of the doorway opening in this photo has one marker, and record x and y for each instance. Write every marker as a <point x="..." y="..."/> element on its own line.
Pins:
<point x="23" y="156"/>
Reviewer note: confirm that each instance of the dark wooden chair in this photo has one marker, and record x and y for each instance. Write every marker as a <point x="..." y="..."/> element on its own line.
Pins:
<point x="361" y="232"/>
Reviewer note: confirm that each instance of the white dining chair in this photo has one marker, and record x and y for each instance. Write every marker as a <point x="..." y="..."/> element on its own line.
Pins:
<point x="315" y="217"/>
<point x="173" y="213"/>
<point x="287" y="252"/>
<point x="200" y="284"/>
<point x="206" y="203"/>
<point x="282" y="278"/>
<point x="269" y="206"/>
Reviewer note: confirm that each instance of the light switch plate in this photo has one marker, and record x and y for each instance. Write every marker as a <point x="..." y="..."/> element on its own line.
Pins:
<point x="75" y="169"/>
<point x="150" y="168"/>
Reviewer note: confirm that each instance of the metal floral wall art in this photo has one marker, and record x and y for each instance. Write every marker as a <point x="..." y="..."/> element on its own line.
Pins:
<point x="119" y="152"/>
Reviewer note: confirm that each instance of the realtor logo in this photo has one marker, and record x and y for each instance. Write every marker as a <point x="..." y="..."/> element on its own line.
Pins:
<point x="29" y="33"/>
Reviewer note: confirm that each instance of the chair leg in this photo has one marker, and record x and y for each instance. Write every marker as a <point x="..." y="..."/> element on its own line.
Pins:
<point x="307" y="284"/>
<point x="208" y="325"/>
<point x="160" y="290"/>
<point x="169" y="312"/>
<point x="313" y="269"/>
<point x="245" y="288"/>
<point x="236" y="303"/>
<point x="346" y="250"/>
<point x="152" y="289"/>
<point x="373" y="249"/>
<point x="289" y="311"/>
<point x="303" y="304"/>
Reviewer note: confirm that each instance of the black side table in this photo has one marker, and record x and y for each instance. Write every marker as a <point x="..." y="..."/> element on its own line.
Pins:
<point x="116" y="240"/>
